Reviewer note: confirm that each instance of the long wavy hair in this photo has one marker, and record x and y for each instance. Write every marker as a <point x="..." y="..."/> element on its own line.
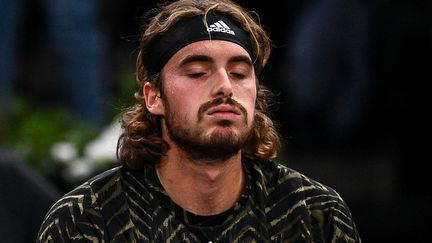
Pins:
<point x="141" y="141"/>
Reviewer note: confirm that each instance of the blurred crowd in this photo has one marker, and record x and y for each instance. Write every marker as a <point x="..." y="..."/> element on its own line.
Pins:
<point x="349" y="76"/>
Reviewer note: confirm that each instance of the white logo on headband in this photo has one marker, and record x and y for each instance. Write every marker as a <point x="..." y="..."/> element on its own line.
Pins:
<point x="220" y="26"/>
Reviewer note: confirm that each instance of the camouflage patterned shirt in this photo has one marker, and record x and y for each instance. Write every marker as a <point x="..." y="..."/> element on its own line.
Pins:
<point x="278" y="205"/>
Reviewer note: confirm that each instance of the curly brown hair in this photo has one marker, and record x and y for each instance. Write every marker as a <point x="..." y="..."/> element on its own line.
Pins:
<point x="141" y="141"/>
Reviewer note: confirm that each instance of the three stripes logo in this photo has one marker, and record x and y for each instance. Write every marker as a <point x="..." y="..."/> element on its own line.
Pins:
<point x="220" y="26"/>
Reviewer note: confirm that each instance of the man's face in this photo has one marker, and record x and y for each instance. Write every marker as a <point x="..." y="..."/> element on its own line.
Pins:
<point x="209" y="93"/>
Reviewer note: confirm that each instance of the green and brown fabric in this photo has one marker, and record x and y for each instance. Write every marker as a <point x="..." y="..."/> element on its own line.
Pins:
<point x="278" y="205"/>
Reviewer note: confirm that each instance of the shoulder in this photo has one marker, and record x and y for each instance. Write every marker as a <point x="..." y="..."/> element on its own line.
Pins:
<point x="91" y="193"/>
<point x="78" y="213"/>
<point x="290" y="194"/>
<point x="275" y="177"/>
<point x="280" y="182"/>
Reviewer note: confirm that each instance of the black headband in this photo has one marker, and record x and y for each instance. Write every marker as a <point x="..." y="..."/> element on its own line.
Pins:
<point x="185" y="32"/>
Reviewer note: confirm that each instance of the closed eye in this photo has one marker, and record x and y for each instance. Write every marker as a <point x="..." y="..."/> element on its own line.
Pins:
<point x="196" y="75"/>
<point x="238" y="75"/>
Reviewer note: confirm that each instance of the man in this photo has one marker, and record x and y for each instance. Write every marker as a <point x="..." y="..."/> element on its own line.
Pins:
<point x="196" y="150"/>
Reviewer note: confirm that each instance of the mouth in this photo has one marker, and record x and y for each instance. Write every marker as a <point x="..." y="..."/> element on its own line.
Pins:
<point x="223" y="109"/>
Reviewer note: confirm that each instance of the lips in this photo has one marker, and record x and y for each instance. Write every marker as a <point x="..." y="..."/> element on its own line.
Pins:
<point x="223" y="109"/>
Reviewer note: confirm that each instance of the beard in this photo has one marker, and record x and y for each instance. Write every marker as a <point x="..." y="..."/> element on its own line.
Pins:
<point x="221" y="143"/>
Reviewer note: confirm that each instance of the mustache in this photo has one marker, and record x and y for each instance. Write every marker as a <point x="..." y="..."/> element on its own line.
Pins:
<point x="218" y="101"/>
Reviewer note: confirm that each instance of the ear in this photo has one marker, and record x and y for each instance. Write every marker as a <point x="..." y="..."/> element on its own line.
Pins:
<point x="152" y="100"/>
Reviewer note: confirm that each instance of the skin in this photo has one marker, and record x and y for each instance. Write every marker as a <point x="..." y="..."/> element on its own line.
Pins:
<point x="200" y="182"/>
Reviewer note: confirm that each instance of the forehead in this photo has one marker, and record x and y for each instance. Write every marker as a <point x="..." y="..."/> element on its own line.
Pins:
<point x="213" y="48"/>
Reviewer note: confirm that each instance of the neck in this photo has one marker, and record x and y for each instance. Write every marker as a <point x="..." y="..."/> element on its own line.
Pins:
<point x="201" y="187"/>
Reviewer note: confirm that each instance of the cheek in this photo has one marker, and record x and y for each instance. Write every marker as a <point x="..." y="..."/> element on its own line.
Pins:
<point x="182" y="104"/>
<point x="250" y="93"/>
<point x="247" y="98"/>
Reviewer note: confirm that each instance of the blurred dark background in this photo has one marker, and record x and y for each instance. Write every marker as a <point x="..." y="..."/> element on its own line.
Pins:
<point x="350" y="78"/>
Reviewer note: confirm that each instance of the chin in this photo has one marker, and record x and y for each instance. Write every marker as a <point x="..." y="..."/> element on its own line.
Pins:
<point x="228" y="135"/>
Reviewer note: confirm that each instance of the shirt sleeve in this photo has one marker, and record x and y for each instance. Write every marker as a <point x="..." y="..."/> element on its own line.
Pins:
<point x="76" y="217"/>
<point x="338" y="223"/>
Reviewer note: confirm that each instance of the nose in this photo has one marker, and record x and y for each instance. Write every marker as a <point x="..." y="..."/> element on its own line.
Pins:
<point x="222" y="84"/>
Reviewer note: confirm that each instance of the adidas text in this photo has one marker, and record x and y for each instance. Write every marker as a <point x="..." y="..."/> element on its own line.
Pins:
<point x="219" y="29"/>
<point x="220" y="26"/>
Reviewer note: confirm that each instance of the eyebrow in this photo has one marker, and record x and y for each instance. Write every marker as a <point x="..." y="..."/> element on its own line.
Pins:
<point x="204" y="58"/>
<point x="241" y="58"/>
<point x="195" y="58"/>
